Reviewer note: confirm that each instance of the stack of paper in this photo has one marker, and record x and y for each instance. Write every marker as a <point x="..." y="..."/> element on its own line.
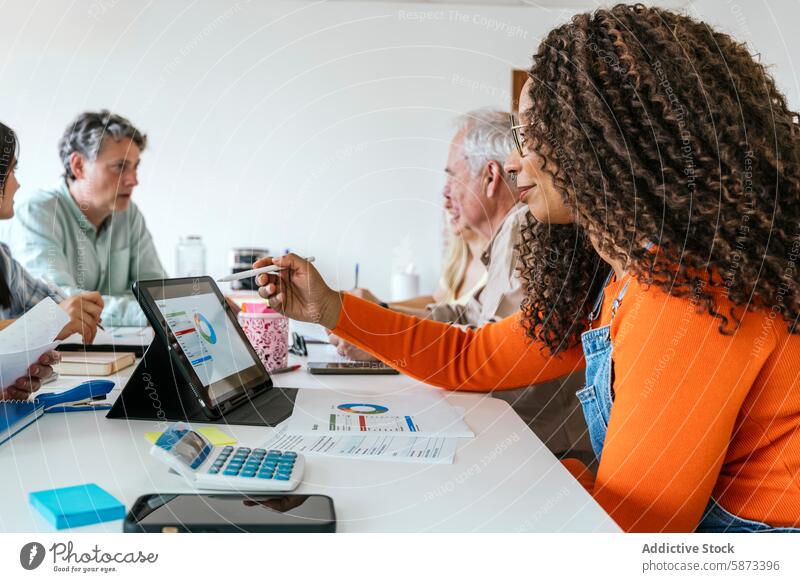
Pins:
<point x="25" y="340"/>
<point x="415" y="426"/>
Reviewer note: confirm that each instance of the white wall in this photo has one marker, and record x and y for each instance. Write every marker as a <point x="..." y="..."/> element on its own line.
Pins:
<point x="317" y="126"/>
<point x="769" y="27"/>
<point x="321" y="127"/>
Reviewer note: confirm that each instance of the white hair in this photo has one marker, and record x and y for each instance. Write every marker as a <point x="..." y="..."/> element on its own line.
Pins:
<point x="487" y="137"/>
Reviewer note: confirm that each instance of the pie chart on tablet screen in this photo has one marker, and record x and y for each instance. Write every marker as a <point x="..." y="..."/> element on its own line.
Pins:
<point x="204" y="328"/>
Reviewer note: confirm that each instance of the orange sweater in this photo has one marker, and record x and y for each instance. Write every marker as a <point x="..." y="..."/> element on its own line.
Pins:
<point x="695" y="413"/>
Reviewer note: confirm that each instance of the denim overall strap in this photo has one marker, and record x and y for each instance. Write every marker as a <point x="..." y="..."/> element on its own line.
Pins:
<point x="595" y="397"/>
<point x="598" y="303"/>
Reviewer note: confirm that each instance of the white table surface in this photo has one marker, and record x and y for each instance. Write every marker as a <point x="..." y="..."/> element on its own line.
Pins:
<point x="504" y="479"/>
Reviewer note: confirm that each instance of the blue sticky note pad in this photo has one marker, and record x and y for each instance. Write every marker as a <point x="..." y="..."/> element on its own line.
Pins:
<point x="76" y="506"/>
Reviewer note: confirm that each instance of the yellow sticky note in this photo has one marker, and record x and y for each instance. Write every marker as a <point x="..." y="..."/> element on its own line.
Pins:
<point x="216" y="436"/>
<point x="152" y="436"/>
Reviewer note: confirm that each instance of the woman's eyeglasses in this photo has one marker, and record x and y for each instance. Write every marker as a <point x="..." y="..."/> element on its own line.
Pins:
<point x="516" y="131"/>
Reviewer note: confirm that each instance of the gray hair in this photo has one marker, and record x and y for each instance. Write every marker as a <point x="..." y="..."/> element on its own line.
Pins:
<point x="86" y="133"/>
<point x="487" y="137"/>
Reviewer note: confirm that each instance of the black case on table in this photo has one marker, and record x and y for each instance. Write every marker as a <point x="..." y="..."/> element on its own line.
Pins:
<point x="157" y="390"/>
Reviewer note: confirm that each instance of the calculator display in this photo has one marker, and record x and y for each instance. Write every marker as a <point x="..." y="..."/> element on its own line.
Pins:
<point x="188" y="447"/>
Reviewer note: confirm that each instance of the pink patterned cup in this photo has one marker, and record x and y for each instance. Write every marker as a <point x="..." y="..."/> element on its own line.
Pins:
<point x="268" y="332"/>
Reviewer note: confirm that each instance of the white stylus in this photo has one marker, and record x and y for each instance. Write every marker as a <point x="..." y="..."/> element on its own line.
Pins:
<point x="255" y="272"/>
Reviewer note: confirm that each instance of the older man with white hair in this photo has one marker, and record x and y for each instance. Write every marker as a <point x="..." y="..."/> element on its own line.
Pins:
<point x="484" y="198"/>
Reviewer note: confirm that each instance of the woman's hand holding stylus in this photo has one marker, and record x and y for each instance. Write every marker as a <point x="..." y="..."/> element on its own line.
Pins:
<point x="298" y="291"/>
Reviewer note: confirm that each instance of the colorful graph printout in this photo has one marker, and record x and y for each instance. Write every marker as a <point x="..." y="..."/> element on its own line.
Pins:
<point x="354" y="408"/>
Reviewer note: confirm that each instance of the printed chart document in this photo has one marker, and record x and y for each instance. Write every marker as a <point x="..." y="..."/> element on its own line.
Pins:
<point x="30" y="336"/>
<point x="385" y="447"/>
<point x="319" y="412"/>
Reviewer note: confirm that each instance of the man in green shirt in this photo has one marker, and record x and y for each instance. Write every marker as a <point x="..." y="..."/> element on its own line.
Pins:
<point x="87" y="234"/>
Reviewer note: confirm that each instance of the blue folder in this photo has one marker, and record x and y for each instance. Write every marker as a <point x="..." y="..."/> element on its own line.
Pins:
<point x="17" y="414"/>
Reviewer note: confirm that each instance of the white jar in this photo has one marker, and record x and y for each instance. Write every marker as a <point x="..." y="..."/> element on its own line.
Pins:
<point x="190" y="257"/>
<point x="404" y="286"/>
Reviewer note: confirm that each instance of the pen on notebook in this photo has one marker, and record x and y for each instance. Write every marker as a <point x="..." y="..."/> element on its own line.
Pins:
<point x="255" y="272"/>
<point x="356" y="285"/>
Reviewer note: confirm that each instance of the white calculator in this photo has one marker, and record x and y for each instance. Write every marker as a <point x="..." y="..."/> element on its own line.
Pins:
<point x="227" y="468"/>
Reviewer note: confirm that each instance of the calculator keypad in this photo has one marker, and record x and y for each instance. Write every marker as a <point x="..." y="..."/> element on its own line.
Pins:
<point x="255" y="463"/>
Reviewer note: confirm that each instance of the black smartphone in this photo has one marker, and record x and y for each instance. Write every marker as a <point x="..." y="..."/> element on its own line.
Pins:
<point x="350" y="368"/>
<point x="212" y="513"/>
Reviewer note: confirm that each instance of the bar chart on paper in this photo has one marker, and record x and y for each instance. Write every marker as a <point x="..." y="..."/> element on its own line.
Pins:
<point x="413" y="413"/>
<point x="350" y="418"/>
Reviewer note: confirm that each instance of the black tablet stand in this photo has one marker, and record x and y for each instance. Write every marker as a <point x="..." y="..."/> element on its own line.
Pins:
<point x="158" y="391"/>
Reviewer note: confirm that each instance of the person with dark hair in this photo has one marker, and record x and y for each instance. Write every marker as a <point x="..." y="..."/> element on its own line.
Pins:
<point x="19" y="291"/>
<point x="662" y="167"/>
<point x="87" y="234"/>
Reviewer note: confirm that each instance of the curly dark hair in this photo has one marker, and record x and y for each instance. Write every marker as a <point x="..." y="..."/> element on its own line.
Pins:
<point x="9" y="151"/>
<point x="659" y="129"/>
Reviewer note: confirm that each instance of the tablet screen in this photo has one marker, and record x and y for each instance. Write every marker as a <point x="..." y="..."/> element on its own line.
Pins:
<point x="205" y="333"/>
<point x="211" y="342"/>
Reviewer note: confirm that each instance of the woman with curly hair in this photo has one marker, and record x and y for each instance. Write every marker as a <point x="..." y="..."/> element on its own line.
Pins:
<point x="661" y="165"/>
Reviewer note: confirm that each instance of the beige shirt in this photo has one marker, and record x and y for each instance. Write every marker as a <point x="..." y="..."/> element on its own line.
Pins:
<point x="551" y="409"/>
<point x="465" y="296"/>
<point x="503" y="293"/>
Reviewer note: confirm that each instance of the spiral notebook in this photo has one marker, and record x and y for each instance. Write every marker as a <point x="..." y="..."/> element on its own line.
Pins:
<point x="15" y="415"/>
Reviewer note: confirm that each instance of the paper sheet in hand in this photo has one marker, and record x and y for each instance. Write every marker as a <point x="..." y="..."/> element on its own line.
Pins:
<point x="414" y="413"/>
<point x="25" y="340"/>
<point x="381" y="447"/>
<point x="39" y="326"/>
